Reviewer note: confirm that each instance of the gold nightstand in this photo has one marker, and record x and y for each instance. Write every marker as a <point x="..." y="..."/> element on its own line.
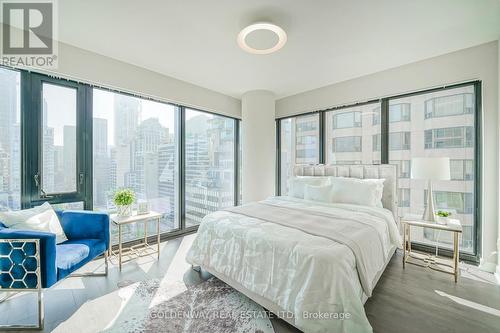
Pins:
<point x="430" y="261"/>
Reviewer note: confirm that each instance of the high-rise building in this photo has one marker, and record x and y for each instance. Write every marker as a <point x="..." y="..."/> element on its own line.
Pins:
<point x="102" y="167"/>
<point x="69" y="156"/>
<point x="9" y="141"/>
<point x="127" y="114"/>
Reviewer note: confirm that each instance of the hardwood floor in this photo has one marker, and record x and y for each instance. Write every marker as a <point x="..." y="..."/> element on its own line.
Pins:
<point x="421" y="300"/>
<point x="410" y="300"/>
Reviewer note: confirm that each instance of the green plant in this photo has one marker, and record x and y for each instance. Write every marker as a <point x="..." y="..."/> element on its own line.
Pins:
<point x="443" y="213"/>
<point x="124" y="197"/>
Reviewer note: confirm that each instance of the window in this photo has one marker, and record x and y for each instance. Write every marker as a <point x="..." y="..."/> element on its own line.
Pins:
<point x="397" y="141"/>
<point x="346" y="120"/>
<point x="454" y="202"/>
<point x="349" y="134"/>
<point x="397" y="112"/>
<point x="404" y="197"/>
<point x="209" y="164"/>
<point x="59" y="153"/>
<point x="299" y="138"/>
<point x="346" y="144"/>
<point x="438" y="122"/>
<point x="450" y="105"/>
<point x="449" y="137"/>
<point x="135" y="146"/>
<point x="404" y="168"/>
<point x="158" y="150"/>
<point x="462" y="169"/>
<point x="10" y="140"/>
<point x="442" y="124"/>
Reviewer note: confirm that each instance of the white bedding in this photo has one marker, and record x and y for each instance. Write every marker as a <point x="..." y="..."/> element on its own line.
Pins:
<point x="290" y="270"/>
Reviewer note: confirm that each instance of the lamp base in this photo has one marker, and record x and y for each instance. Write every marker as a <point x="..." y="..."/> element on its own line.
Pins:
<point x="429" y="213"/>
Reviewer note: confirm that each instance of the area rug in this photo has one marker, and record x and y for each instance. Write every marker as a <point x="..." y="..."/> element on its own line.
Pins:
<point x="158" y="306"/>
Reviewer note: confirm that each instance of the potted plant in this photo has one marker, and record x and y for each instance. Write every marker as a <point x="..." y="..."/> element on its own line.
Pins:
<point x="442" y="217"/>
<point x="123" y="200"/>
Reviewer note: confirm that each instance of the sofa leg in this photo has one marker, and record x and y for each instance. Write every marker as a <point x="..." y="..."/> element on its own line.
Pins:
<point x="40" y="319"/>
<point x="105" y="273"/>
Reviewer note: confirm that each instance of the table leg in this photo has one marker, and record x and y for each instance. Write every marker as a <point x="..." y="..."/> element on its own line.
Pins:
<point x="404" y="245"/>
<point x="456" y="254"/>
<point x="110" y="240"/>
<point x="120" y="246"/>
<point x="158" y="236"/>
<point x="409" y="241"/>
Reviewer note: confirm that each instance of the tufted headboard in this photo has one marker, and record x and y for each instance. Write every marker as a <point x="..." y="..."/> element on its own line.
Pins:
<point x="385" y="171"/>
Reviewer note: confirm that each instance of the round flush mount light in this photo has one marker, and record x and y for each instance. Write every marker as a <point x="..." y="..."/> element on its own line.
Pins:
<point x="262" y="38"/>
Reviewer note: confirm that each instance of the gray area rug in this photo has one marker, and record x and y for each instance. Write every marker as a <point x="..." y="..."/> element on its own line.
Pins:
<point x="163" y="306"/>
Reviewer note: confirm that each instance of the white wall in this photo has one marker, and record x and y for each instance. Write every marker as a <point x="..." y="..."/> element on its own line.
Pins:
<point x="498" y="183"/>
<point x="259" y="145"/>
<point x="89" y="67"/>
<point x="480" y="62"/>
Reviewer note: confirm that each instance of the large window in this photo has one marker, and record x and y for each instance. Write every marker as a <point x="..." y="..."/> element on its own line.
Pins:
<point x="442" y="125"/>
<point x="77" y="145"/>
<point x="135" y="146"/>
<point x="299" y="138"/>
<point x="437" y="123"/>
<point x="10" y="140"/>
<point x="210" y="162"/>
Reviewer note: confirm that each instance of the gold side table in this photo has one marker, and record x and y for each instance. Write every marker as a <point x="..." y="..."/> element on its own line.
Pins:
<point x="426" y="260"/>
<point x="143" y="248"/>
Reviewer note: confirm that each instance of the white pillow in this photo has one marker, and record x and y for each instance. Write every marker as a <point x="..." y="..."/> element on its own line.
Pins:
<point x="365" y="192"/>
<point x="41" y="218"/>
<point x="296" y="185"/>
<point x="322" y="193"/>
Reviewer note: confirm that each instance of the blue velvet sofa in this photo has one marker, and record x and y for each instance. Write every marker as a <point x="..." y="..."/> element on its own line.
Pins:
<point x="31" y="260"/>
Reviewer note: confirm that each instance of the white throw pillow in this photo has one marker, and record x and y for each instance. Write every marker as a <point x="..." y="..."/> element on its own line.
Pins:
<point x="297" y="185"/>
<point x="365" y="192"/>
<point x="41" y="218"/>
<point x="322" y="193"/>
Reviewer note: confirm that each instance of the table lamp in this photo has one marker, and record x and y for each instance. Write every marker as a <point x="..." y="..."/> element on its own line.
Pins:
<point x="430" y="168"/>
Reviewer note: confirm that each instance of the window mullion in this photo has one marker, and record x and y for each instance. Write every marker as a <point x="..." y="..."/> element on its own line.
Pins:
<point x="321" y="139"/>
<point x="181" y="139"/>
<point x="384" y="131"/>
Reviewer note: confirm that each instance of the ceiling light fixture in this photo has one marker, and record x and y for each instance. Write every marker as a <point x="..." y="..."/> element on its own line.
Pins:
<point x="264" y="29"/>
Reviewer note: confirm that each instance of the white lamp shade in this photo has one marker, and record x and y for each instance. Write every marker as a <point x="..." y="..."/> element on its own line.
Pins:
<point x="431" y="168"/>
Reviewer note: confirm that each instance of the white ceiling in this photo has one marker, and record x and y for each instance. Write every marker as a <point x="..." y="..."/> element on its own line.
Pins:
<point x="328" y="40"/>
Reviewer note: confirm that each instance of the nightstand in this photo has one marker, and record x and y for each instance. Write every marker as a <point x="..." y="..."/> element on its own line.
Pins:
<point x="430" y="261"/>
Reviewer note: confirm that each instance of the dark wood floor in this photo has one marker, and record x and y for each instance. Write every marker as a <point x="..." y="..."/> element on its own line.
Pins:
<point x="416" y="300"/>
<point x="410" y="300"/>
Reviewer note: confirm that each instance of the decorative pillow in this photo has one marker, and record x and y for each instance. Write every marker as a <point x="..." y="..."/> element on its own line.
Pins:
<point x="322" y="193"/>
<point x="297" y="185"/>
<point x="41" y="218"/>
<point x="365" y="192"/>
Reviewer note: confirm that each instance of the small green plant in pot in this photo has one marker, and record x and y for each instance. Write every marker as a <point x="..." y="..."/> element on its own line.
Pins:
<point x="123" y="200"/>
<point x="442" y="217"/>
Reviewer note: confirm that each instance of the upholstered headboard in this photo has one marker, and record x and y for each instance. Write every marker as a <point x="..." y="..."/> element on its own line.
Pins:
<point x="385" y="171"/>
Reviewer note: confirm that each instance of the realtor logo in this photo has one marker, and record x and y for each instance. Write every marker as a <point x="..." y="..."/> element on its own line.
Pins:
<point x="28" y="33"/>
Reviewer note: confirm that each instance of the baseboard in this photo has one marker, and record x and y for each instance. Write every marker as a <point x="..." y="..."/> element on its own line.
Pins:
<point x="487" y="266"/>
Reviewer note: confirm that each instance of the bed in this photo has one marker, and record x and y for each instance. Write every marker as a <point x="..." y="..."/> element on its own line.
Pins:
<point x="312" y="264"/>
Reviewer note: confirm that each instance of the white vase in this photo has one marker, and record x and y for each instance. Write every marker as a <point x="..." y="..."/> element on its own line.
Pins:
<point x="124" y="210"/>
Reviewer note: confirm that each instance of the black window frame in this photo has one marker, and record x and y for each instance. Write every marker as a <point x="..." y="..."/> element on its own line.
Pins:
<point x="31" y="125"/>
<point x="384" y="135"/>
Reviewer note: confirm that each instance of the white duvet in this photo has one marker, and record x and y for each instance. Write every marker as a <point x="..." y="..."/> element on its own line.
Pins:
<point x="312" y="279"/>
